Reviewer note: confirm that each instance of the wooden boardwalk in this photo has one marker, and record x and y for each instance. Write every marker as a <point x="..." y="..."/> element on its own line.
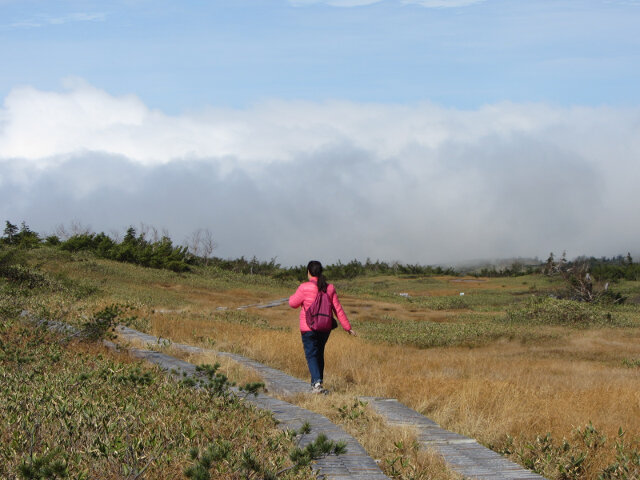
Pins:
<point x="462" y="454"/>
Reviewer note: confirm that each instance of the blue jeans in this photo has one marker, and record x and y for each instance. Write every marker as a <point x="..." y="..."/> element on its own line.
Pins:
<point x="313" y="344"/>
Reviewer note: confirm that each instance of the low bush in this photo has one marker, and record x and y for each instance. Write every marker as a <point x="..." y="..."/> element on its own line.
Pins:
<point x="103" y="323"/>
<point x="571" y="459"/>
<point x="425" y="334"/>
<point x="441" y="303"/>
<point x="14" y="270"/>
<point x="553" y="311"/>
<point x="133" y="249"/>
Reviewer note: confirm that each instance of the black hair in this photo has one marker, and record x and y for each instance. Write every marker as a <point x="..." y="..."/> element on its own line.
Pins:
<point x="315" y="269"/>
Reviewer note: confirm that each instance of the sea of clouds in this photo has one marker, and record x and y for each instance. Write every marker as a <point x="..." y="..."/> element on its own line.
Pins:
<point x="332" y="180"/>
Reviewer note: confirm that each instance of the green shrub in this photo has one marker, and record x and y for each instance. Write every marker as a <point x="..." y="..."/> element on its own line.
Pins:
<point x="13" y="268"/>
<point x="47" y="466"/>
<point x="137" y="250"/>
<point x="631" y="362"/>
<point x="571" y="459"/>
<point x="23" y="237"/>
<point x="52" y="241"/>
<point x="553" y="311"/>
<point x="102" y="324"/>
<point x="441" y="303"/>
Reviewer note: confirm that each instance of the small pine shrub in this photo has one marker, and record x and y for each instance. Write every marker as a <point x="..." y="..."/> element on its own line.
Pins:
<point x="14" y="269"/>
<point x="103" y="323"/>
<point x="47" y="466"/>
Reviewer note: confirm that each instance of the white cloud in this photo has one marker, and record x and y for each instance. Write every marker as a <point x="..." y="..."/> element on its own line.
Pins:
<point x="335" y="3"/>
<point x="358" y="3"/>
<point x="417" y="183"/>
<point x="633" y="3"/>
<point x="77" y="17"/>
<point x="44" y="20"/>
<point x="443" y="3"/>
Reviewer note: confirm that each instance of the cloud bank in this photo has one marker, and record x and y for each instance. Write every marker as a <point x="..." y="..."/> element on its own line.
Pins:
<point x="335" y="180"/>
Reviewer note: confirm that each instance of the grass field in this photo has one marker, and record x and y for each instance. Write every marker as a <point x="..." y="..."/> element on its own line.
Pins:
<point x="554" y="385"/>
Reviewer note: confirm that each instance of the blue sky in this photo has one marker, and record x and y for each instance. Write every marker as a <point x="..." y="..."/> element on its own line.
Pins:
<point x="430" y="131"/>
<point x="183" y="55"/>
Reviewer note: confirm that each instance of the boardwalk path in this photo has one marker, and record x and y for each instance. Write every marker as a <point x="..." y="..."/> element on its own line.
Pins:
<point x="464" y="455"/>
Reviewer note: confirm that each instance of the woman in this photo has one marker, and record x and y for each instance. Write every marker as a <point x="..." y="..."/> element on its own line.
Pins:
<point x="313" y="342"/>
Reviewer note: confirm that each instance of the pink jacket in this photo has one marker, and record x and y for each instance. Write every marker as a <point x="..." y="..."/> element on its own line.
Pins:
<point x="306" y="294"/>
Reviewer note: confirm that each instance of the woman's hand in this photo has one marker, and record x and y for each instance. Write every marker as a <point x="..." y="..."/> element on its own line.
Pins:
<point x="351" y="332"/>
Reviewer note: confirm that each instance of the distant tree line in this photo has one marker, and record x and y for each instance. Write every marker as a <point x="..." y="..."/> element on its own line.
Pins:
<point x="356" y="268"/>
<point x="133" y="248"/>
<point x="588" y="278"/>
<point x="336" y="271"/>
<point x="603" y="269"/>
<point x="22" y="236"/>
<point x="249" y="267"/>
<point x="615" y="268"/>
<point x="516" y="269"/>
<point x="158" y="251"/>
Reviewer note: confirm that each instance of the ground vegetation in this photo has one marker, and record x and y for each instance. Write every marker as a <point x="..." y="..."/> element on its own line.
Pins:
<point x="518" y="362"/>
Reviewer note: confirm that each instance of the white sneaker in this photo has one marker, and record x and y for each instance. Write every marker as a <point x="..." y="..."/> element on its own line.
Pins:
<point x="318" y="388"/>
